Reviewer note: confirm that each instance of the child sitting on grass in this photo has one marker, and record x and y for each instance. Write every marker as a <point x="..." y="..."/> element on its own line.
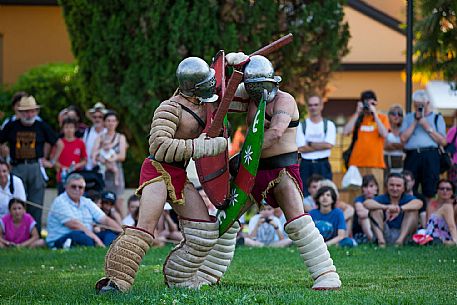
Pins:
<point x="330" y="220"/>
<point x="362" y="227"/>
<point x="18" y="228"/>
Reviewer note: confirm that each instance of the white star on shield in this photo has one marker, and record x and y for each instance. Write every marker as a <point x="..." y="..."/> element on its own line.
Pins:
<point x="233" y="197"/>
<point x="248" y="155"/>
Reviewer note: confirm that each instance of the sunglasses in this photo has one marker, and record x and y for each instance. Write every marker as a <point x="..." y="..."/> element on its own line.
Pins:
<point x="77" y="187"/>
<point x="396" y="113"/>
<point x="445" y="189"/>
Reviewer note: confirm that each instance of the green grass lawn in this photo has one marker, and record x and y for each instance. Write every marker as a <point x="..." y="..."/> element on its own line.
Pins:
<point x="409" y="275"/>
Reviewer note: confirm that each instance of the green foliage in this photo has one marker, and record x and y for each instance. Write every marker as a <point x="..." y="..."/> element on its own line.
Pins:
<point x="436" y="38"/>
<point x="54" y="86"/>
<point x="408" y="275"/>
<point x="128" y="51"/>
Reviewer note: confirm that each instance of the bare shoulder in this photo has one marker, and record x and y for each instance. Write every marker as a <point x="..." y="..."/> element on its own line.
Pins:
<point x="285" y="97"/>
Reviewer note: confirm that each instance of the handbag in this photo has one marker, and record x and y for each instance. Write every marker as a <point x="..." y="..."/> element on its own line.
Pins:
<point x="355" y="133"/>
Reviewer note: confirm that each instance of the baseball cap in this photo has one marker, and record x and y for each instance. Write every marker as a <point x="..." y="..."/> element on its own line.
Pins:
<point x="108" y="196"/>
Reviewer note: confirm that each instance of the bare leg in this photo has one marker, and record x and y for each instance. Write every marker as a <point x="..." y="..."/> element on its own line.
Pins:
<point x="349" y="218"/>
<point x="194" y="208"/>
<point x="366" y="227"/>
<point x="152" y="201"/>
<point x="408" y="226"/>
<point x="423" y="219"/>
<point x="252" y="243"/>
<point x="281" y="243"/>
<point x="289" y="198"/>
<point x="378" y="228"/>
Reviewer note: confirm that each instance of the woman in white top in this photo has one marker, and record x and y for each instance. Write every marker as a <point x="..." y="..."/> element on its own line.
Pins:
<point x="393" y="148"/>
<point x="10" y="187"/>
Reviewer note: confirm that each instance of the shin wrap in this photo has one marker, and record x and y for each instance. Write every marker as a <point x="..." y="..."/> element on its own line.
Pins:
<point x="219" y="258"/>
<point x="314" y="252"/>
<point x="164" y="147"/>
<point x="123" y="258"/>
<point x="185" y="259"/>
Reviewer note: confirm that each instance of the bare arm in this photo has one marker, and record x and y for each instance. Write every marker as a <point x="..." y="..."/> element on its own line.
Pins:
<point x="414" y="204"/>
<point x="405" y="135"/>
<point x="335" y="240"/>
<point x="382" y="130"/>
<point x="448" y="215"/>
<point x="78" y="226"/>
<point x="279" y="124"/>
<point x="95" y="149"/>
<point x="314" y="146"/>
<point x="33" y="238"/>
<point x="372" y="204"/>
<point x="361" y="210"/>
<point x="122" y="149"/>
<point x="392" y="146"/>
<point x="349" y="127"/>
<point x="111" y="223"/>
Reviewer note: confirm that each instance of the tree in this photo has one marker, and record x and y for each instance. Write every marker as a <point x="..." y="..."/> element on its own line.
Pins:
<point x="127" y="51"/>
<point x="436" y="38"/>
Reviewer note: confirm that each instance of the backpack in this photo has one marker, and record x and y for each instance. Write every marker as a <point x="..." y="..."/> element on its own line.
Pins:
<point x="303" y="126"/>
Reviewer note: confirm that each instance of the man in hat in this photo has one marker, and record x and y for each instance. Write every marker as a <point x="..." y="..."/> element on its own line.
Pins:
<point x="26" y="138"/>
<point x="96" y="115"/>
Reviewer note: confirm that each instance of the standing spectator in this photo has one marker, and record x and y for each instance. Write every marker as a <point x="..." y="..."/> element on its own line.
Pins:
<point x="72" y="217"/>
<point x="96" y="114"/>
<point x="422" y="132"/>
<point x="11" y="186"/>
<point x="312" y="185"/>
<point x="26" y="138"/>
<point x="119" y="144"/>
<point x="329" y="219"/>
<point x="371" y="128"/>
<point x="18" y="228"/>
<point x="393" y="215"/>
<point x="393" y="148"/>
<point x="4" y="150"/>
<point x="74" y="113"/>
<point x="315" y="138"/>
<point x="362" y="226"/>
<point x="265" y="230"/>
<point x="440" y="214"/>
<point x="133" y="203"/>
<point x="410" y="182"/>
<point x="451" y="138"/>
<point x="70" y="153"/>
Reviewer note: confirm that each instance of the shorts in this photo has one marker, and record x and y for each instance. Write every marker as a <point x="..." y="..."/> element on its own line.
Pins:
<point x="174" y="177"/>
<point x="267" y="179"/>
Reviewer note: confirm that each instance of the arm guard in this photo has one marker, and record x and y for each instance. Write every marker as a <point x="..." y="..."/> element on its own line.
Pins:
<point x="164" y="147"/>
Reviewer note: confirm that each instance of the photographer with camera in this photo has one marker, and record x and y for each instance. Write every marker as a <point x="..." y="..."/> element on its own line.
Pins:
<point x="265" y="230"/>
<point x="371" y="129"/>
<point x="421" y="133"/>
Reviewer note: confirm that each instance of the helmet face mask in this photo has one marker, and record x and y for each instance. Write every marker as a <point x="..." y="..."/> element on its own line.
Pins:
<point x="197" y="79"/>
<point x="259" y="76"/>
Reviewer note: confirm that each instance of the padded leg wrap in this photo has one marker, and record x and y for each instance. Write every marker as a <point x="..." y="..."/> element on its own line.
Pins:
<point x="184" y="260"/>
<point x="123" y="259"/>
<point x="219" y="258"/>
<point x="314" y="252"/>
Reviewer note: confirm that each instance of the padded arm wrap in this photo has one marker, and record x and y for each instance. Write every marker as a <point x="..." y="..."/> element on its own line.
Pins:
<point x="205" y="147"/>
<point x="162" y="144"/>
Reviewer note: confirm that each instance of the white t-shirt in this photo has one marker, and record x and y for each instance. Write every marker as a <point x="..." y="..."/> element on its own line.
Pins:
<point x="128" y="220"/>
<point x="5" y="194"/>
<point x="89" y="140"/>
<point x="315" y="133"/>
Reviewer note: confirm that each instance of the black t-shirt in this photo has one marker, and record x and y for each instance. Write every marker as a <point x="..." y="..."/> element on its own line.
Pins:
<point x="27" y="142"/>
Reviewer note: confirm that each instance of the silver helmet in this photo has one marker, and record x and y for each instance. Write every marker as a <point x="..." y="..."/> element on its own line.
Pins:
<point x="196" y="79"/>
<point x="259" y="76"/>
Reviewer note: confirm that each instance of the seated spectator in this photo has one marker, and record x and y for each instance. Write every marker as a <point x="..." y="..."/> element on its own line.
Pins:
<point x="265" y="230"/>
<point x="70" y="153"/>
<point x="72" y="217"/>
<point x="11" y="186"/>
<point x="167" y="227"/>
<point x="95" y="196"/>
<point x="410" y="182"/>
<point x="441" y="223"/>
<point x="133" y="203"/>
<point x="362" y="226"/>
<point x="313" y="185"/>
<point x="347" y="209"/>
<point x="18" y="228"/>
<point x="329" y="219"/>
<point x="108" y="200"/>
<point x="394" y="215"/>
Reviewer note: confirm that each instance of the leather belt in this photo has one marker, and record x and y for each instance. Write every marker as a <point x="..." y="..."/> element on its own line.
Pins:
<point x="279" y="161"/>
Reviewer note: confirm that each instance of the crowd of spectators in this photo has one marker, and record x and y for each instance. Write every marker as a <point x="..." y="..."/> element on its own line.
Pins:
<point x="89" y="209"/>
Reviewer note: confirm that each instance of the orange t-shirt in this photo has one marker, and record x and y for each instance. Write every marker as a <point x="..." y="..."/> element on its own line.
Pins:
<point x="369" y="148"/>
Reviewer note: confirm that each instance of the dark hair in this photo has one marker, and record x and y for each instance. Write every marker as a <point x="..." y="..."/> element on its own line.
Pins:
<point x="67" y="121"/>
<point x="3" y="162"/>
<point x="322" y="191"/>
<point x="77" y="110"/>
<point x="17" y="97"/>
<point x="395" y="175"/>
<point x="407" y="173"/>
<point x="367" y="179"/>
<point x="111" y="113"/>
<point x="15" y="200"/>
<point x="132" y="198"/>
<point x="93" y="195"/>
<point x="368" y="95"/>
<point x="314" y="178"/>
<point x="446" y="181"/>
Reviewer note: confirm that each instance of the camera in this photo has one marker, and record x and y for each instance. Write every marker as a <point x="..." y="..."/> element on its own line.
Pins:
<point x="268" y="220"/>
<point x="420" y="112"/>
<point x="366" y="105"/>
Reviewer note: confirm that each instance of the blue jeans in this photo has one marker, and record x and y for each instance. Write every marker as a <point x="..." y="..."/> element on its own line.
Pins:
<point x="310" y="167"/>
<point x="79" y="238"/>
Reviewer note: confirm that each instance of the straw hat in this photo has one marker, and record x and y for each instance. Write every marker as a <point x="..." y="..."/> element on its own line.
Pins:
<point x="28" y="103"/>
<point x="98" y="107"/>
